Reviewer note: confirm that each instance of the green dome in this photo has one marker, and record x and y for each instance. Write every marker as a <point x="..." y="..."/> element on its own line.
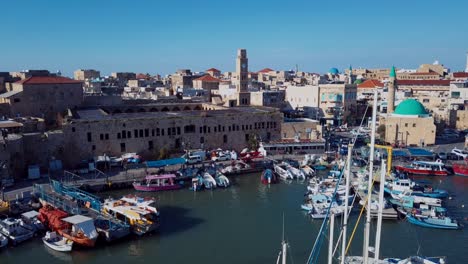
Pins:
<point x="334" y="71"/>
<point x="410" y="107"/>
<point x="358" y="81"/>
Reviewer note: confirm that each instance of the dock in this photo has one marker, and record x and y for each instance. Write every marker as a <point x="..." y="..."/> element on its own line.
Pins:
<point x="388" y="213"/>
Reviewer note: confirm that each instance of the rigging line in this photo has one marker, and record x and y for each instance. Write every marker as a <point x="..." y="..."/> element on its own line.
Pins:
<point x="341" y="232"/>
<point x="359" y="218"/>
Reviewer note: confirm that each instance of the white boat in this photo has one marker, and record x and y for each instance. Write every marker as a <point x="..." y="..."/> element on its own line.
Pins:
<point x="296" y="173"/>
<point x="282" y="172"/>
<point x="31" y="222"/>
<point x="57" y="242"/>
<point x="308" y="171"/>
<point x="209" y="181"/>
<point x="3" y="241"/>
<point x="14" y="230"/>
<point x="222" y="180"/>
<point x="320" y="205"/>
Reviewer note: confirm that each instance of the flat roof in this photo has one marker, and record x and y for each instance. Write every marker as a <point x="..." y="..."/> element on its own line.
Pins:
<point x="77" y="219"/>
<point x="10" y="93"/>
<point x="99" y="114"/>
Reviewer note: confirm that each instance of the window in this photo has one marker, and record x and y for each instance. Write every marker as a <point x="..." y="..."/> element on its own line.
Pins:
<point x="225" y="139"/>
<point x="107" y="136"/>
<point x="189" y="129"/>
<point x="158" y="132"/>
<point x="124" y="134"/>
<point x="122" y="147"/>
<point x="150" y="145"/>
<point x="425" y="100"/>
<point x="202" y="140"/>
<point x="455" y="94"/>
<point x="162" y="132"/>
<point x="73" y="129"/>
<point x="89" y="137"/>
<point x="268" y="135"/>
<point x="215" y="129"/>
<point x="414" y="125"/>
<point x="146" y="132"/>
<point x="406" y="124"/>
<point x="152" y="132"/>
<point x="118" y="135"/>
<point x="93" y="148"/>
<point x="209" y="129"/>
<point x="246" y="137"/>
<point x="129" y="134"/>
<point x="135" y="133"/>
<point x="141" y="132"/>
<point x="101" y="136"/>
<point x="16" y="100"/>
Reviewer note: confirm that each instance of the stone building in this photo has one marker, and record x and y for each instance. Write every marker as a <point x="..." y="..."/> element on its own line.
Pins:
<point x="300" y="128"/>
<point x="44" y="97"/>
<point x="207" y="83"/>
<point x="214" y="72"/>
<point x="268" y="98"/>
<point x="338" y="102"/>
<point x="410" y="125"/>
<point x="87" y="74"/>
<point x="173" y="127"/>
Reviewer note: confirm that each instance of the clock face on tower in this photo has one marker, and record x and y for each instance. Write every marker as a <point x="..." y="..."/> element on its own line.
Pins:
<point x="243" y="65"/>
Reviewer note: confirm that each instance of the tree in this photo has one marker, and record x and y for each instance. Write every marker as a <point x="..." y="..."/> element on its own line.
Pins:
<point x="252" y="142"/>
<point x="163" y="153"/>
<point x="381" y="131"/>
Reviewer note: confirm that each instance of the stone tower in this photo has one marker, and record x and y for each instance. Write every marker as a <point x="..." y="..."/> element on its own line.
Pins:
<point x="392" y="87"/>
<point x="351" y="77"/>
<point x="242" y="72"/>
<point x="466" y="69"/>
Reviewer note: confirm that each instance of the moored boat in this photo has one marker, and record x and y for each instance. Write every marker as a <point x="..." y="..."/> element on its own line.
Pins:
<point x="433" y="221"/>
<point x="222" y="180"/>
<point x="268" y="176"/>
<point x="3" y="241"/>
<point x="208" y="181"/>
<point x="57" y="242"/>
<point x="460" y="169"/>
<point x="14" y="230"/>
<point x="407" y="186"/>
<point x="140" y="213"/>
<point x="78" y="228"/>
<point x="155" y="183"/>
<point x="436" y="168"/>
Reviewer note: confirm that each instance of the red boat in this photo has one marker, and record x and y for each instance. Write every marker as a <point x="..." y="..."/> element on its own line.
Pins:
<point x="461" y="168"/>
<point x="436" y="168"/>
<point x="78" y="228"/>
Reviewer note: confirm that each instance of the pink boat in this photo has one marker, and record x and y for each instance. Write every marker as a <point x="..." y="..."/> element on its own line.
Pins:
<point x="155" y="183"/>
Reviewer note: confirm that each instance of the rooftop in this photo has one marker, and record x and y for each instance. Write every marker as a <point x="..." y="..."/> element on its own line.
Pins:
<point x="371" y="84"/>
<point x="208" y="78"/>
<point x="213" y="70"/>
<point x="48" y="80"/>
<point x="266" y="70"/>
<point x="424" y="82"/>
<point x="460" y="74"/>
<point x="410" y="107"/>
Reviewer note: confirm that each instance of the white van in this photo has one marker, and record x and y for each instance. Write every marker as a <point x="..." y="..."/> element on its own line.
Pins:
<point x="193" y="159"/>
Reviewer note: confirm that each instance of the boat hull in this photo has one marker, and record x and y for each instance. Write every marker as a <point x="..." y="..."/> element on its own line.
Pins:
<point x="421" y="172"/>
<point x="421" y="222"/>
<point x="62" y="246"/>
<point x="460" y="169"/>
<point x="150" y="188"/>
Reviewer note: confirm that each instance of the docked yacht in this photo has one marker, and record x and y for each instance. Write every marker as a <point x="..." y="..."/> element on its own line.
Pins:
<point x="399" y="186"/>
<point x="15" y="231"/>
<point x="436" y="168"/>
<point x="140" y="213"/>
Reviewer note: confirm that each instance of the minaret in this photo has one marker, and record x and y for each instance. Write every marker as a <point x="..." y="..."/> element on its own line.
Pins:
<point x="242" y="70"/>
<point x="350" y="75"/>
<point x="466" y="69"/>
<point x="392" y="86"/>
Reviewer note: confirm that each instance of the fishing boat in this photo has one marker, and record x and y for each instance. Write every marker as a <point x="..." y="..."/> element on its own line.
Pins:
<point x="282" y="172"/>
<point x="208" y="181"/>
<point x="296" y="173"/>
<point x="57" y="242"/>
<point x="222" y="180"/>
<point x="155" y="183"/>
<point x="460" y="169"/>
<point x="320" y="204"/>
<point x="436" y="168"/>
<point x="268" y="176"/>
<point x="15" y="231"/>
<point x="437" y="219"/>
<point x="140" y="213"/>
<point x="408" y="186"/>
<point x="3" y="241"/>
<point x="31" y="222"/>
<point x="78" y="228"/>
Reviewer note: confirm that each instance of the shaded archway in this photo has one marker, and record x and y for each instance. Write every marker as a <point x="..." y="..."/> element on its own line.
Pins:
<point x="154" y="110"/>
<point x="141" y="110"/>
<point x="165" y="109"/>
<point x="117" y="111"/>
<point x="186" y="108"/>
<point x="129" y="111"/>
<point x="176" y="108"/>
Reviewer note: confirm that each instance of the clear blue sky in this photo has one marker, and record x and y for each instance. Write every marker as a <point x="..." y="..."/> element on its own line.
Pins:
<point x="161" y="36"/>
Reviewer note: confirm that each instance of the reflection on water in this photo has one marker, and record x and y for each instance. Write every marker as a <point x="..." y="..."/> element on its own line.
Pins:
<point x="62" y="256"/>
<point x="134" y="249"/>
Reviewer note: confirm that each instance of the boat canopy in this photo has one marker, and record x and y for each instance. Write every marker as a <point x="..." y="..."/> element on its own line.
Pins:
<point x="163" y="176"/>
<point x="418" y="152"/>
<point x="82" y="223"/>
<point x="30" y="215"/>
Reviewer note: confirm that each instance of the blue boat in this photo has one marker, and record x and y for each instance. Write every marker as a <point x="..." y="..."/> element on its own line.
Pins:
<point x="319" y="167"/>
<point x="409" y="187"/>
<point x="440" y="222"/>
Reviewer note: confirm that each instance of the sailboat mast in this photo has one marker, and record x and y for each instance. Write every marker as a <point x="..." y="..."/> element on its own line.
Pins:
<point x="284" y="247"/>
<point x="378" y="234"/>
<point x="330" y="242"/>
<point x="345" y="219"/>
<point x="371" y="176"/>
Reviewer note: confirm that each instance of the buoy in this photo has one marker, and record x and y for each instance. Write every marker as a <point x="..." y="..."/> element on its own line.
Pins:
<point x="463" y="206"/>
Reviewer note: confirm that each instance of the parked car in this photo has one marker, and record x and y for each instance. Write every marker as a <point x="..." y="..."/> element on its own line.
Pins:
<point x="221" y="157"/>
<point x="442" y="155"/>
<point x="460" y="153"/>
<point x="193" y="159"/>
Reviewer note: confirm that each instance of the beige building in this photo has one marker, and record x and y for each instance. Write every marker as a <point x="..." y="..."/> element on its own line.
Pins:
<point x="88" y="74"/>
<point x="44" y="97"/>
<point x="338" y="101"/>
<point x="148" y="129"/>
<point x="302" y="96"/>
<point x="268" y="98"/>
<point x="410" y="125"/>
<point x="300" y="128"/>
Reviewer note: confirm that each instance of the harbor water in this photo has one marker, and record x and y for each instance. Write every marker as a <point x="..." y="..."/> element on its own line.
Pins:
<point x="243" y="224"/>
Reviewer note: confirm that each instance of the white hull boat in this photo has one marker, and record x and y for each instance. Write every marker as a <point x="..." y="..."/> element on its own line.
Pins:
<point x="57" y="242"/>
<point x="282" y="173"/>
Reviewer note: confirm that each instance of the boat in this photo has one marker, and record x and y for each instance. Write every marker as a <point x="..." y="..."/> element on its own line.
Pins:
<point x="436" y="168"/>
<point x="78" y="228"/>
<point x="31" y="222"/>
<point x="197" y="183"/>
<point x="282" y="172"/>
<point x="408" y="186"/>
<point x="417" y="260"/>
<point x="155" y="183"/>
<point x="208" y="181"/>
<point x="222" y="180"/>
<point x="319" y="167"/>
<point x="436" y="220"/>
<point x="140" y="213"/>
<point x="308" y="171"/>
<point x="296" y="173"/>
<point x="320" y="204"/>
<point x="268" y="176"/>
<point x="15" y="231"/>
<point x="460" y="169"/>
<point x="3" y="241"/>
<point x="57" y="242"/>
